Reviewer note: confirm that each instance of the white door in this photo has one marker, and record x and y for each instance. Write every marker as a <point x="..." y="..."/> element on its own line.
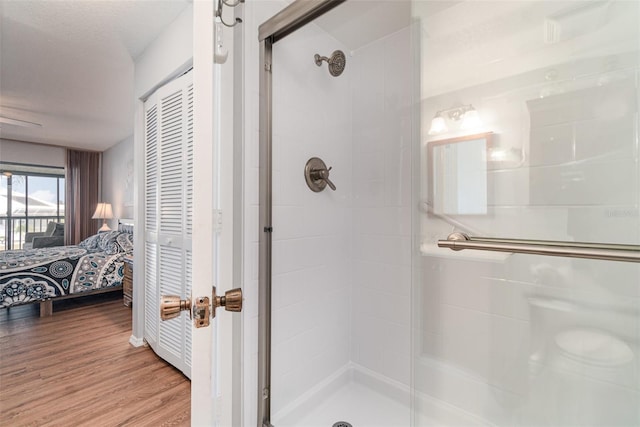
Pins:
<point x="211" y="379"/>
<point x="168" y="215"/>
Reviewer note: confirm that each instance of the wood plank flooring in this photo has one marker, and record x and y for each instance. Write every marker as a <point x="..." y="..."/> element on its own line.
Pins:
<point x="77" y="368"/>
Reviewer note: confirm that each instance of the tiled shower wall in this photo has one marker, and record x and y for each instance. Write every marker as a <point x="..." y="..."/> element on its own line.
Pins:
<point x="341" y="259"/>
<point x="312" y="252"/>
<point x="381" y="308"/>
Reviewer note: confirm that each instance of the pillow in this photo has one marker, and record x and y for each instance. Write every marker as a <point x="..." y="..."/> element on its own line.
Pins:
<point x="107" y="238"/>
<point x="91" y="243"/>
<point x="109" y="242"/>
<point x="113" y="242"/>
<point x="125" y="241"/>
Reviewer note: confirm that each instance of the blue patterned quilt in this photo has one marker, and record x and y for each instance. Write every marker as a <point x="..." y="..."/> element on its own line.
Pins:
<point x="39" y="274"/>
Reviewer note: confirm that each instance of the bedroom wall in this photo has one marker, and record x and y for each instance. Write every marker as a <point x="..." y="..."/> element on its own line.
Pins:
<point x="30" y="153"/>
<point x="117" y="180"/>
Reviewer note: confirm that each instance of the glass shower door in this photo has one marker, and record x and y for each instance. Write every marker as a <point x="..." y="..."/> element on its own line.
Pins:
<point x="529" y="117"/>
<point x="341" y="226"/>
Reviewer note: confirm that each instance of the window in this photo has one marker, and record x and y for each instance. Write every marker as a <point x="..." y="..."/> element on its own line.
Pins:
<point x="30" y="198"/>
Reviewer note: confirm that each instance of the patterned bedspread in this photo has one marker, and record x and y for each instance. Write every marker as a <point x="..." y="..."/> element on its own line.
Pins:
<point x="39" y="274"/>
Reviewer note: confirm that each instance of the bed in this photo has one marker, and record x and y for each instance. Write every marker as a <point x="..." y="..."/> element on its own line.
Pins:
<point x="96" y="265"/>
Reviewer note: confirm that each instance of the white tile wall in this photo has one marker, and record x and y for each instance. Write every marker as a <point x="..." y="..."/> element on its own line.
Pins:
<point x="311" y="240"/>
<point x="382" y="207"/>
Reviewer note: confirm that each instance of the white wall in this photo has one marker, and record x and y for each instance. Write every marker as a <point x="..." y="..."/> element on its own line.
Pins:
<point x="30" y="153"/>
<point x="170" y="53"/>
<point x="117" y="180"/>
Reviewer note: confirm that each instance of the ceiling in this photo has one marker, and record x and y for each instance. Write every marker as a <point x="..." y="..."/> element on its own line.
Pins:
<point x="69" y="66"/>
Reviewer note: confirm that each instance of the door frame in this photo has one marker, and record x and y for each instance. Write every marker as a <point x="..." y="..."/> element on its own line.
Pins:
<point x="216" y="353"/>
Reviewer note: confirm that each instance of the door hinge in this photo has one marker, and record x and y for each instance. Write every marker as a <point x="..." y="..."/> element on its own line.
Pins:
<point x="219" y="403"/>
<point x="217" y="220"/>
<point x="267" y="66"/>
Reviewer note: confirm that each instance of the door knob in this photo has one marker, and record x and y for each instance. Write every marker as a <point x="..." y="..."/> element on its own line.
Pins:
<point x="201" y="310"/>
<point x="231" y="301"/>
<point x="172" y="305"/>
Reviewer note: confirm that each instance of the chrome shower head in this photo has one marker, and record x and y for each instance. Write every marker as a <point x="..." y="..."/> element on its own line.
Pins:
<point x="336" y="62"/>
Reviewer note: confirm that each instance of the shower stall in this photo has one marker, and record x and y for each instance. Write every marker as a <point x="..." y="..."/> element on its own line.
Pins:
<point x="391" y="132"/>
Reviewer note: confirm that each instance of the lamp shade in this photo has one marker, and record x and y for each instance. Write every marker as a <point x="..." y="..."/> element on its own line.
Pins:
<point x="438" y="125"/>
<point x="103" y="212"/>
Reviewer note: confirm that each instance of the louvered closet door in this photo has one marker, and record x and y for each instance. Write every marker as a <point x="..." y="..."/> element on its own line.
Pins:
<point x="168" y="216"/>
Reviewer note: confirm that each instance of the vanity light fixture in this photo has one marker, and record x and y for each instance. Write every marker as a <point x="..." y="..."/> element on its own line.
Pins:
<point x="438" y="125"/>
<point x="471" y="119"/>
<point x="467" y="113"/>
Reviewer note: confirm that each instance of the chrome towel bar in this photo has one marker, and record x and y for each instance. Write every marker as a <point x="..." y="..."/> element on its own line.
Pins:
<point x="602" y="251"/>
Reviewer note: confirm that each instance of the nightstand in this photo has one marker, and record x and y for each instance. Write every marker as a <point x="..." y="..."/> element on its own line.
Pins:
<point x="127" y="281"/>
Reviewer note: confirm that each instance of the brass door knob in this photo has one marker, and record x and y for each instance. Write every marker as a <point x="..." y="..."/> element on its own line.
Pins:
<point x="172" y="305"/>
<point x="231" y="301"/>
<point x="202" y="310"/>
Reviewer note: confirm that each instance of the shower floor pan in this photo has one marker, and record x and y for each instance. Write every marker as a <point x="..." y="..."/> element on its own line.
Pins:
<point x="362" y="398"/>
<point x="356" y="404"/>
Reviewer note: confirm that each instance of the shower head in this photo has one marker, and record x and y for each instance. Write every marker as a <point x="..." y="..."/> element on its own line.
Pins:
<point x="336" y="62"/>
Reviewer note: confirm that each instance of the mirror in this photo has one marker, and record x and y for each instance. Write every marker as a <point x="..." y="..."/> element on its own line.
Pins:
<point x="458" y="175"/>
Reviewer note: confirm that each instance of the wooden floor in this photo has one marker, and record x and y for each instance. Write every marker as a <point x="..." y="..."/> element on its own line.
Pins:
<point x="77" y="368"/>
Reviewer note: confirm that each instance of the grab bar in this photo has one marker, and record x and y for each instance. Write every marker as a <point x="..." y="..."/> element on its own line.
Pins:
<point x="602" y="251"/>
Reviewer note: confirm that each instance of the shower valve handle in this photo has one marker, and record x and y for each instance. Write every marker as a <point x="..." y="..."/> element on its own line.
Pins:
<point x="323" y="174"/>
<point x="316" y="174"/>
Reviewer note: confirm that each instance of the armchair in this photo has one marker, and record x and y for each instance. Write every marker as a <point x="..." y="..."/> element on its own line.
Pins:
<point x="52" y="236"/>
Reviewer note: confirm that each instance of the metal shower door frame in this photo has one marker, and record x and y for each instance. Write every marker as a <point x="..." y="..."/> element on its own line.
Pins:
<point x="291" y="18"/>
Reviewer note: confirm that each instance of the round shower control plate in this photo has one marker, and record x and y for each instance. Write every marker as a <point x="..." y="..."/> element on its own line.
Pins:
<point x="314" y="163"/>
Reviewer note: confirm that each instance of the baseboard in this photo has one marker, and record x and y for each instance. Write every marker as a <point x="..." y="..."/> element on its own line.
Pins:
<point x="136" y="341"/>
